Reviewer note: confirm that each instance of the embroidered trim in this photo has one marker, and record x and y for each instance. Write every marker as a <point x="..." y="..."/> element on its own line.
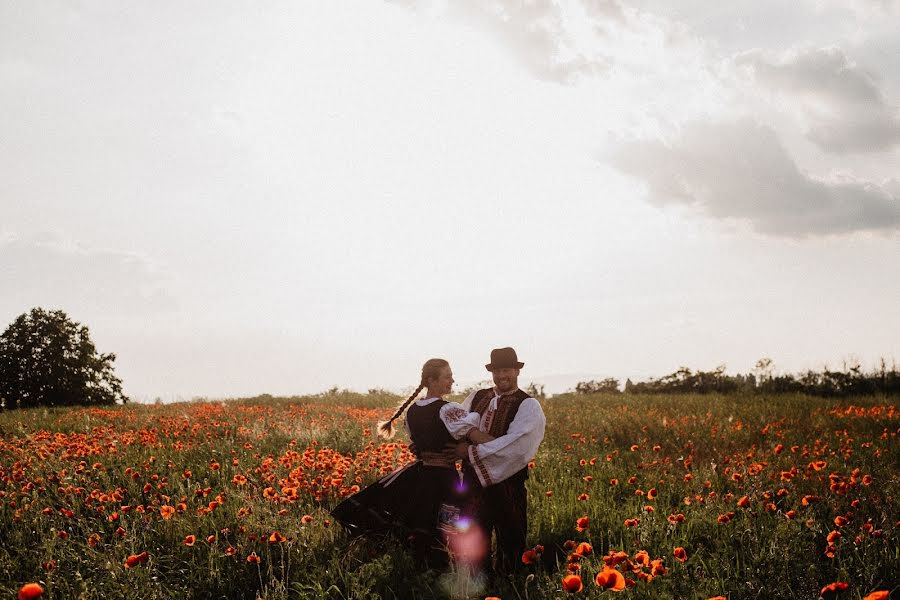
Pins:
<point x="454" y="414"/>
<point x="482" y="470"/>
<point x="488" y="420"/>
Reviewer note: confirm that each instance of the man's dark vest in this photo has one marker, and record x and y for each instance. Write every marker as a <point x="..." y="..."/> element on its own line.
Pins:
<point x="507" y="408"/>
<point x="426" y="429"/>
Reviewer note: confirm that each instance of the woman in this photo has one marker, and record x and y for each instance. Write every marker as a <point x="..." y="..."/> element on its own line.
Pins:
<point x="420" y="498"/>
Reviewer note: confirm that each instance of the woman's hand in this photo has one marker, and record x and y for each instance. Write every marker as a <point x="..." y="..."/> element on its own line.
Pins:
<point x="477" y="436"/>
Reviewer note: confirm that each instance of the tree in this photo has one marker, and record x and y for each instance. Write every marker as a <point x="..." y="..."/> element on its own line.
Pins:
<point x="536" y="390"/>
<point x="46" y="359"/>
<point x="608" y="385"/>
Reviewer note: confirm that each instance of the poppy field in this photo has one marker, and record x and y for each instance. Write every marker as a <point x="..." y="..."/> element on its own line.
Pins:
<point x="681" y="496"/>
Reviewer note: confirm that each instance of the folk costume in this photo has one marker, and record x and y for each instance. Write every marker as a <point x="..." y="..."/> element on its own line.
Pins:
<point x="499" y="468"/>
<point x="408" y="502"/>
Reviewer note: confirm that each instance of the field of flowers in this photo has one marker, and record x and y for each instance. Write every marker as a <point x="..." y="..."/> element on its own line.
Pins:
<point x="650" y="497"/>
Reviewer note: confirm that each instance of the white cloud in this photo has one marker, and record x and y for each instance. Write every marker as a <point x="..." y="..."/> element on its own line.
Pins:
<point x="50" y="271"/>
<point x="740" y="170"/>
<point x="842" y="105"/>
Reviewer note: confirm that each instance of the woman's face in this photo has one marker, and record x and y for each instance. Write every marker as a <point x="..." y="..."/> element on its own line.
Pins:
<point x="441" y="385"/>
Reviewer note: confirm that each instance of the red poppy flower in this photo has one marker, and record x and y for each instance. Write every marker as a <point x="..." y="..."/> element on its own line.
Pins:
<point x="582" y="524"/>
<point x="306" y="519"/>
<point x="30" y="590"/>
<point x="253" y="558"/>
<point x="879" y="595"/>
<point x="572" y="584"/>
<point x="610" y="579"/>
<point x="190" y="540"/>
<point x="529" y="557"/>
<point x="166" y="512"/>
<point x="743" y="502"/>
<point x="584" y="549"/>
<point x="276" y="538"/>
<point x="136" y="559"/>
<point x="680" y="554"/>
<point x="831" y="590"/>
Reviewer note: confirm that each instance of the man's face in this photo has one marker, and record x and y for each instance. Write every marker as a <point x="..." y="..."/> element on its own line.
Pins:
<point x="506" y="380"/>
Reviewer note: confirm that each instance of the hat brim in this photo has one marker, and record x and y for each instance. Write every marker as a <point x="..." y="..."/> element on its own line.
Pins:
<point x="491" y="367"/>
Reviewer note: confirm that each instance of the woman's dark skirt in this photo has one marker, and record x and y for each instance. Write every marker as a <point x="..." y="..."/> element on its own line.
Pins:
<point x="409" y="503"/>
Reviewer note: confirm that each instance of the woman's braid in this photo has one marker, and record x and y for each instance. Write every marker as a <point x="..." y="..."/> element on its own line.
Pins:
<point x="430" y="370"/>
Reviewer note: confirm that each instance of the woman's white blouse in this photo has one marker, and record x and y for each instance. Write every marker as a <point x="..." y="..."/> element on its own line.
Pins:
<point x="457" y="419"/>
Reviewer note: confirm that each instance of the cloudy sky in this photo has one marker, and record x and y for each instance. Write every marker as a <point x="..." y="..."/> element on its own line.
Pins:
<point x="239" y="198"/>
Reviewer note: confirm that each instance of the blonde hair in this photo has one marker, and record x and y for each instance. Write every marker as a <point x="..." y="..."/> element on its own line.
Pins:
<point x="430" y="370"/>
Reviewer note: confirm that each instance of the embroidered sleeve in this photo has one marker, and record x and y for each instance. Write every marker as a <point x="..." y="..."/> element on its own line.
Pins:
<point x="503" y="457"/>
<point x="458" y="420"/>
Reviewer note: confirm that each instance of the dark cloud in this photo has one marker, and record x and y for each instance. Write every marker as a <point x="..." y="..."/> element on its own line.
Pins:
<point x="740" y="170"/>
<point x="845" y="106"/>
<point x="47" y="271"/>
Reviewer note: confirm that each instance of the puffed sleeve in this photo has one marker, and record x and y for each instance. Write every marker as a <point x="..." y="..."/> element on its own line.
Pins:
<point x="503" y="457"/>
<point x="467" y="403"/>
<point x="458" y="420"/>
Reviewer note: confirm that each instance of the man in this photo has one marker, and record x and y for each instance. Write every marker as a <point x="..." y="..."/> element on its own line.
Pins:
<point x="496" y="470"/>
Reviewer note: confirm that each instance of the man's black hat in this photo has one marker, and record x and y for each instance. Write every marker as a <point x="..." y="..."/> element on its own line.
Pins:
<point x="504" y="358"/>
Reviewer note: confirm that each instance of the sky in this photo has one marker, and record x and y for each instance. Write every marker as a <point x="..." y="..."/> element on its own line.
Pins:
<point x="239" y="198"/>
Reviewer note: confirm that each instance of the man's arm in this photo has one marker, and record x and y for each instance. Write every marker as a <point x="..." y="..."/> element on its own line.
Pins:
<point x="501" y="458"/>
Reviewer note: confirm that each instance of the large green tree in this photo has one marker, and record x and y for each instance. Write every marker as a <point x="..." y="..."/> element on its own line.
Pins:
<point x="47" y="359"/>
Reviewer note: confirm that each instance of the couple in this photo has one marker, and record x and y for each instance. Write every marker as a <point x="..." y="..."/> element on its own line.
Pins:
<point x="495" y="431"/>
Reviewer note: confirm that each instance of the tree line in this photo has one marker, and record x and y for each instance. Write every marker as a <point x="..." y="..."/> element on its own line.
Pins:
<point x="47" y="359"/>
<point x="850" y="381"/>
